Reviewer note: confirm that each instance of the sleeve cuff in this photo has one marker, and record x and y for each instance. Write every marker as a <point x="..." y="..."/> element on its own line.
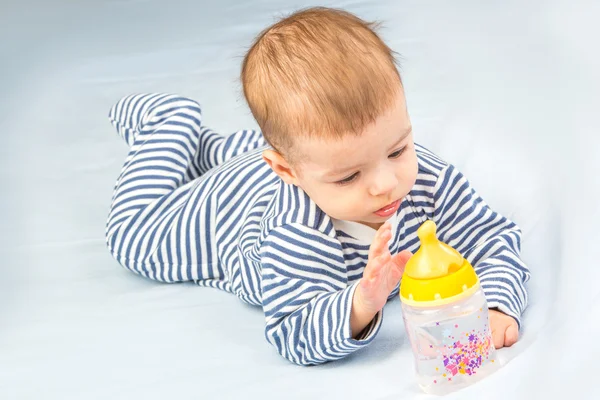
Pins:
<point x="369" y="332"/>
<point x="505" y="294"/>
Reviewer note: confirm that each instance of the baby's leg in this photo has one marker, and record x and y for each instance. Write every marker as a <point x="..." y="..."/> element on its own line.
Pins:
<point x="215" y="149"/>
<point x="160" y="221"/>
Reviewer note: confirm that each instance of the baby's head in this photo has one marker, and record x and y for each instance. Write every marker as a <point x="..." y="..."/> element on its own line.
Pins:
<point x="327" y="96"/>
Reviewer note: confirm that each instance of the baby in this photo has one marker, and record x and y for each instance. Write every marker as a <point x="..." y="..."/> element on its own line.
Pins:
<point x="314" y="218"/>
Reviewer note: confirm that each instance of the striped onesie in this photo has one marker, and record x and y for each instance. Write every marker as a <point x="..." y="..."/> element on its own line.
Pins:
<point x="192" y="205"/>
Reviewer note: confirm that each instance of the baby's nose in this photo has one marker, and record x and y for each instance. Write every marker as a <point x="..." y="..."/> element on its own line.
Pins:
<point x="384" y="184"/>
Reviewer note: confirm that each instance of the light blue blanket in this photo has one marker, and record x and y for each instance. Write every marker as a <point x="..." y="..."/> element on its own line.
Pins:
<point x="507" y="91"/>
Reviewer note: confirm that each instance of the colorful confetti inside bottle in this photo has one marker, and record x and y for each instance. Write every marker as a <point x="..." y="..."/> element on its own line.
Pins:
<point x="446" y="317"/>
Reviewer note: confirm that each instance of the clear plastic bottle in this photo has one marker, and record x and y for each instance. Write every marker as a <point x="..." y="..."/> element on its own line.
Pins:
<point x="446" y="317"/>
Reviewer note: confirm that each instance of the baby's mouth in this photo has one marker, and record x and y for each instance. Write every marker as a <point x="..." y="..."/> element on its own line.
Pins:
<point x="388" y="210"/>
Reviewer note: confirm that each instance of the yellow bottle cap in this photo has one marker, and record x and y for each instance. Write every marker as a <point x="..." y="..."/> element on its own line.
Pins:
<point x="436" y="274"/>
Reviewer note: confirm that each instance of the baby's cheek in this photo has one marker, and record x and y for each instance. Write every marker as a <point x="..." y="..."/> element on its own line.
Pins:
<point x="410" y="172"/>
<point x="340" y="203"/>
<point x="345" y="207"/>
<point x="331" y="203"/>
<point x="355" y="207"/>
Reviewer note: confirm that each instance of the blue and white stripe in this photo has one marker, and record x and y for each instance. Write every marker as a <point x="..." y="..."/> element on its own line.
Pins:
<point x="192" y="205"/>
<point x="488" y="240"/>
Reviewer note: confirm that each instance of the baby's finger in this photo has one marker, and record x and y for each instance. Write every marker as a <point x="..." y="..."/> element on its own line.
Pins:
<point x="384" y="229"/>
<point x="382" y="253"/>
<point x="384" y="259"/>
<point x="401" y="259"/>
<point x="366" y="283"/>
<point x="512" y="335"/>
<point x="373" y="267"/>
<point x="380" y="243"/>
<point x="395" y="271"/>
<point x="498" y="337"/>
<point x="397" y="264"/>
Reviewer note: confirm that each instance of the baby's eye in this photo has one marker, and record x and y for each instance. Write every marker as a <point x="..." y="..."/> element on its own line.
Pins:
<point x="397" y="153"/>
<point x="347" y="180"/>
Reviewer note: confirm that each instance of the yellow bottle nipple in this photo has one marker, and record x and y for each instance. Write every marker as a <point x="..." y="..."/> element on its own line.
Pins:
<point x="436" y="274"/>
<point x="434" y="258"/>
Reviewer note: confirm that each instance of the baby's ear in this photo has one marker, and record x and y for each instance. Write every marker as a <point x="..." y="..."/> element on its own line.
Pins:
<point x="280" y="166"/>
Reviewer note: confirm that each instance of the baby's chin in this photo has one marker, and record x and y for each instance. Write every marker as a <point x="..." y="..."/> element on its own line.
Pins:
<point x="370" y="219"/>
<point x="374" y="223"/>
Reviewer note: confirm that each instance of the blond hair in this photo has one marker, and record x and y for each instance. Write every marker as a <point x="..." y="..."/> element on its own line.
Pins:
<point x="318" y="72"/>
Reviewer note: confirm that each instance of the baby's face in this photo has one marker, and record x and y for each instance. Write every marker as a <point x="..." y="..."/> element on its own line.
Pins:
<point x="362" y="178"/>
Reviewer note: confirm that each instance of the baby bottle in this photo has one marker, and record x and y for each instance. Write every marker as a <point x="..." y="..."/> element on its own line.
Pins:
<point x="446" y="317"/>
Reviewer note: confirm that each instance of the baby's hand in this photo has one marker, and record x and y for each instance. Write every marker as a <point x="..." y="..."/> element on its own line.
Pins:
<point x="505" y="331"/>
<point x="380" y="277"/>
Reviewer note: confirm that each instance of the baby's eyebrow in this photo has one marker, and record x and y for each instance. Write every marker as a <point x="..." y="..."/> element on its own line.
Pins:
<point x="339" y="171"/>
<point x="404" y="135"/>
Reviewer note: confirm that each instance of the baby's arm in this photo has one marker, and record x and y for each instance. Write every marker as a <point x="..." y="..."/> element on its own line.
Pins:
<point x="488" y="240"/>
<point x="306" y="297"/>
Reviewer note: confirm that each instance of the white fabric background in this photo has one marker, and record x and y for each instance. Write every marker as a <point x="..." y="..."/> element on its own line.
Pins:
<point x="507" y="91"/>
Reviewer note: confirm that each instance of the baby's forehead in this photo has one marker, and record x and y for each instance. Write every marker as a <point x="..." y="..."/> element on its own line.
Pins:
<point x="332" y="145"/>
<point x="332" y="155"/>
